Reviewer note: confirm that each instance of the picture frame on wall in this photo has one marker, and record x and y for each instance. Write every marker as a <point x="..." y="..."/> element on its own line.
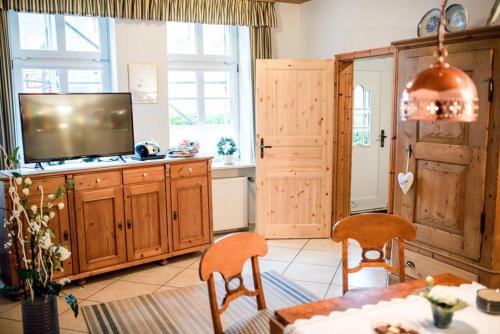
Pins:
<point x="143" y="83"/>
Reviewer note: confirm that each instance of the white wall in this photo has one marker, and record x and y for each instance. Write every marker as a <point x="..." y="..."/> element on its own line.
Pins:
<point x="329" y="27"/>
<point x="145" y="43"/>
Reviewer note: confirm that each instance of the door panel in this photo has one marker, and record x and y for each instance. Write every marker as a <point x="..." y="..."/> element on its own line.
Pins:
<point x="146" y="219"/>
<point x="449" y="163"/>
<point x="101" y="232"/>
<point x="190" y="212"/>
<point x="294" y="101"/>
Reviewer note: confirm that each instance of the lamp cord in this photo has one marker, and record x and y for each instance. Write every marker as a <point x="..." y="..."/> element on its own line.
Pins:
<point x="442" y="53"/>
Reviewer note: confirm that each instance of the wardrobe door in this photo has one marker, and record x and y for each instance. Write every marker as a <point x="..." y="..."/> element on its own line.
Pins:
<point x="448" y="159"/>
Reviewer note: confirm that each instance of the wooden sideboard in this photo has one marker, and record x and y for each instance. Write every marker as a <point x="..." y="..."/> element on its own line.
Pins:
<point x="125" y="214"/>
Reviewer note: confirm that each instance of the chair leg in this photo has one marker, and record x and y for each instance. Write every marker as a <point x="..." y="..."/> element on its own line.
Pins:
<point x="257" y="282"/>
<point x="345" y="283"/>
<point x="401" y="250"/>
<point x="214" y="308"/>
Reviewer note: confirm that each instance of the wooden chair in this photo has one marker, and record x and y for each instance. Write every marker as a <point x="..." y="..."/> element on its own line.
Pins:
<point x="373" y="231"/>
<point x="227" y="257"/>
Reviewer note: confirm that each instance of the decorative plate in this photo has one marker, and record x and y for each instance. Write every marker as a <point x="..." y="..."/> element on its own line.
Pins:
<point x="429" y="24"/>
<point x="456" y="18"/>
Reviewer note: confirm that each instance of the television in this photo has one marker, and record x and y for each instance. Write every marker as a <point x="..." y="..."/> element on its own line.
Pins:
<point x="76" y="125"/>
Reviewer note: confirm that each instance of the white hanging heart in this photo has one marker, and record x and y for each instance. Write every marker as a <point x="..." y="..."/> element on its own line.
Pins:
<point x="405" y="181"/>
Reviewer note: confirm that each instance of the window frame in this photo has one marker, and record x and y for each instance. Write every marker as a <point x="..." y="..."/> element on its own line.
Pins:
<point x="205" y="63"/>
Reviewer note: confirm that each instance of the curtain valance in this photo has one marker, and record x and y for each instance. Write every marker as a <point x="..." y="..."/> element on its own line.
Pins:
<point x="251" y="13"/>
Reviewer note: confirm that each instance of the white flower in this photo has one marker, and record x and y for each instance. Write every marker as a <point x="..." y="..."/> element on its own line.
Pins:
<point x="19" y="181"/>
<point x="28" y="181"/>
<point x="60" y="206"/>
<point x="62" y="251"/>
<point x="443" y="295"/>
<point x="46" y="218"/>
<point x="64" y="281"/>
<point x="45" y="240"/>
<point x="52" y="214"/>
<point x="26" y="191"/>
<point x="34" y="208"/>
<point x="52" y="197"/>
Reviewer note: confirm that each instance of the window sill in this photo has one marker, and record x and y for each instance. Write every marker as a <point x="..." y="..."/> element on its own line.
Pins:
<point x="219" y="165"/>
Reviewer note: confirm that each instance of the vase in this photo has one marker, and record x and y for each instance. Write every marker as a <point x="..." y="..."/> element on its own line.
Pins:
<point x="442" y="317"/>
<point x="228" y="159"/>
<point x="40" y="315"/>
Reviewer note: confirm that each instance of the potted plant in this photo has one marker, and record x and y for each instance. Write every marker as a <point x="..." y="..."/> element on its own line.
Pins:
<point x="443" y="301"/>
<point x="36" y="254"/>
<point x="227" y="147"/>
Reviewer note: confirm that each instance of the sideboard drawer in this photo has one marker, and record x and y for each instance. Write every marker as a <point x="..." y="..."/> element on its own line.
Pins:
<point x="140" y="175"/>
<point x="98" y="180"/>
<point x="188" y="169"/>
<point x="49" y="184"/>
<point x="419" y="266"/>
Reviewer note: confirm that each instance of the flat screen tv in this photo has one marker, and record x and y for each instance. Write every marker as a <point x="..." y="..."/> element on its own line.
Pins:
<point x="76" y="125"/>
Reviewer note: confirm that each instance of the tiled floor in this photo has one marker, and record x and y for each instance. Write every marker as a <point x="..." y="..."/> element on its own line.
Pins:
<point x="314" y="264"/>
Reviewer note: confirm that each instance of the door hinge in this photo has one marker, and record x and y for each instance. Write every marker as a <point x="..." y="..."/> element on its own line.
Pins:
<point x="490" y="91"/>
<point x="483" y="222"/>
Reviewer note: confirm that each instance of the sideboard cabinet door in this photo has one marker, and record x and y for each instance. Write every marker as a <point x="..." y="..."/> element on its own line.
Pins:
<point x="146" y="220"/>
<point x="101" y="228"/>
<point x="190" y="212"/>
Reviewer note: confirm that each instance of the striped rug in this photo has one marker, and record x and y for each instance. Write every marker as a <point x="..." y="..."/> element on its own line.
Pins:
<point x="186" y="310"/>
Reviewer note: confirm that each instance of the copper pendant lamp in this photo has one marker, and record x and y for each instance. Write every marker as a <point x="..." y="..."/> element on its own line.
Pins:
<point x="442" y="92"/>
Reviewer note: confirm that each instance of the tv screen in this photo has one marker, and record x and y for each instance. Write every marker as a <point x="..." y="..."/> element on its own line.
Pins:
<point x="70" y="126"/>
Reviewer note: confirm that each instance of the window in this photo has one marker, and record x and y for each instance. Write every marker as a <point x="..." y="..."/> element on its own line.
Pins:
<point x="59" y="53"/>
<point x="203" y="84"/>
<point x="362" y="116"/>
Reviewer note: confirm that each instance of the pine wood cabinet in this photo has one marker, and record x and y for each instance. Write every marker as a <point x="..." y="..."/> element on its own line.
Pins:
<point x="454" y="201"/>
<point x="100" y="228"/>
<point x="124" y="215"/>
<point x="190" y="212"/>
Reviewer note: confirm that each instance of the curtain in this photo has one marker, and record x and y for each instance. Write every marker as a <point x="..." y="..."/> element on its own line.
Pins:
<point x="228" y="12"/>
<point x="7" y="136"/>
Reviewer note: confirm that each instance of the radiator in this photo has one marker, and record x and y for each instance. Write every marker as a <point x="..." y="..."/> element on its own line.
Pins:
<point x="230" y="203"/>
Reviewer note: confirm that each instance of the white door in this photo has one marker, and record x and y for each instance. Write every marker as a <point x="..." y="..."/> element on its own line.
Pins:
<point x="372" y="110"/>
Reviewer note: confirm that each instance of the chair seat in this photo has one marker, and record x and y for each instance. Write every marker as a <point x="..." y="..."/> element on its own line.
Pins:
<point x="256" y="324"/>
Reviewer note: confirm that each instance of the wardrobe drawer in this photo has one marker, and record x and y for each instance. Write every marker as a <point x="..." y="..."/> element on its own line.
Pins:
<point x="188" y="169"/>
<point x="418" y="266"/>
<point x="140" y="175"/>
<point x="98" y="180"/>
<point x="49" y="185"/>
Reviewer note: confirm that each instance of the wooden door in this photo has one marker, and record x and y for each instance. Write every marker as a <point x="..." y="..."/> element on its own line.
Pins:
<point x="294" y="101"/>
<point x="190" y="212"/>
<point x="60" y="226"/>
<point x="449" y="162"/>
<point x="101" y="231"/>
<point x="146" y="220"/>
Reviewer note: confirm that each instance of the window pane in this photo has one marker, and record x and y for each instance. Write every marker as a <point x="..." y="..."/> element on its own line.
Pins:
<point x="37" y="31"/>
<point x="217" y="84"/>
<point x="218" y="111"/>
<point x="358" y="97"/>
<point x="216" y="40"/>
<point x="183" y="112"/>
<point x="85" y="81"/>
<point x="181" y="38"/>
<point x="82" y="33"/>
<point x="40" y="81"/>
<point x="182" y="84"/>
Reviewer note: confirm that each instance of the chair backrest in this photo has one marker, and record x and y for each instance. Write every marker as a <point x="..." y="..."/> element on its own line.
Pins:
<point x="227" y="256"/>
<point x="373" y="231"/>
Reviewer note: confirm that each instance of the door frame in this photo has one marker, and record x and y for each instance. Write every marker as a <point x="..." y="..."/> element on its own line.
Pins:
<point x="342" y="151"/>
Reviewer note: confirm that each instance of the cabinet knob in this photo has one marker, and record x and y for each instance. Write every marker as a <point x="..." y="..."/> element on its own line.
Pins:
<point x="98" y="180"/>
<point x="410" y="264"/>
<point x="145" y="174"/>
<point x="175" y="215"/>
<point x="129" y="224"/>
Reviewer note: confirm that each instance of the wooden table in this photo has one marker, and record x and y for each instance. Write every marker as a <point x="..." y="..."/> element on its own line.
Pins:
<point x="287" y="316"/>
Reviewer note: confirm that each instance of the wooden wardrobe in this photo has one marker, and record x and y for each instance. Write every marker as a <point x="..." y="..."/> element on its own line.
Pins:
<point x="455" y="199"/>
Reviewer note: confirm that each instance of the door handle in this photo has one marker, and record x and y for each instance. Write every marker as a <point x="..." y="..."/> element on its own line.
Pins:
<point x="262" y="147"/>
<point x="382" y="137"/>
